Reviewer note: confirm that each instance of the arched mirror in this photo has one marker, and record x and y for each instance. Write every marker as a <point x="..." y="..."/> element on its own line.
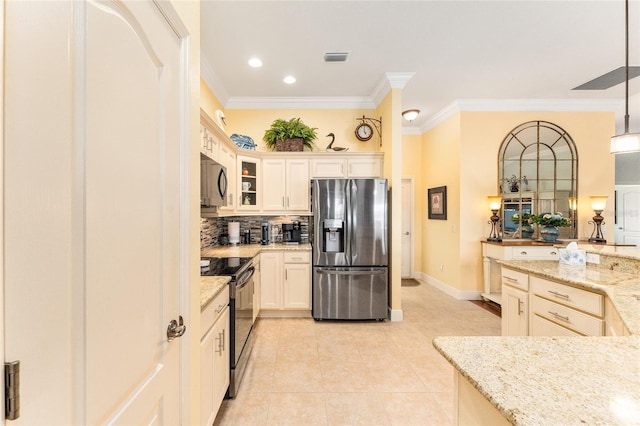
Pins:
<point x="537" y="173"/>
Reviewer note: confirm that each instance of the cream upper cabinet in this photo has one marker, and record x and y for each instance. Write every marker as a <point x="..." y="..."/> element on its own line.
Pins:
<point x="364" y="167"/>
<point x="329" y="168"/>
<point x="369" y="165"/>
<point x="285" y="185"/>
<point x="248" y="171"/>
<point x="228" y="159"/>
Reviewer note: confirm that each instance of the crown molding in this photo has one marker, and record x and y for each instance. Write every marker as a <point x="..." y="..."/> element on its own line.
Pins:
<point x="300" y="103"/>
<point x="506" y="105"/>
<point x="411" y="131"/>
<point x="391" y="80"/>
<point x="209" y="76"/>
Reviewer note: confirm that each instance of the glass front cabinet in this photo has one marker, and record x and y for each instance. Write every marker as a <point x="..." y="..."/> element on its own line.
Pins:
<point x="249" y="184"/>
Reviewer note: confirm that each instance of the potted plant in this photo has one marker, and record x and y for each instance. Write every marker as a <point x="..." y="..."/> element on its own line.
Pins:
<point x="289" y="135"/>
<point x="525" y="222"/>
<point x="549" y="223"/>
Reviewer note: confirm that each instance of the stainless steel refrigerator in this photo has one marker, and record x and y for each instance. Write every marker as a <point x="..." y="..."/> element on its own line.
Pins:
<point x="350" y="249"/>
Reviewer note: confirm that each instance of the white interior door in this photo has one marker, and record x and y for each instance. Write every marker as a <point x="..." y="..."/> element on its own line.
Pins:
<point x="407" y="228"/>
<point x="95" y="152"/>
<point x="627" y="227"/>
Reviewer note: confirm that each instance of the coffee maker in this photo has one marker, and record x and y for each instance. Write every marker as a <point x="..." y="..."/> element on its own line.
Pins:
<point x="291" y="232"/>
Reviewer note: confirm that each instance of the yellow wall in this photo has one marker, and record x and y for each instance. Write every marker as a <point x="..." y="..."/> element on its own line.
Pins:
<point x="412" y="168"/>
<point x="462" y="153"/>
<point x="208" y="101"/>
<point x="440" y="238"/>
<point x="340" y="122"/>
<point x="389" y="109"/>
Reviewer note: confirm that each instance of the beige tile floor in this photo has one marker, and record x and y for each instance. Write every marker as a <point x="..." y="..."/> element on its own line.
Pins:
<point x="303" y="372"/>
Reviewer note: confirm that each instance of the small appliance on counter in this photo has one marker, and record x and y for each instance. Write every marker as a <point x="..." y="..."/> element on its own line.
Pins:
<point x="265" y="234"/>
<point x="234" y="233"/>
<point x="291" y="233"/>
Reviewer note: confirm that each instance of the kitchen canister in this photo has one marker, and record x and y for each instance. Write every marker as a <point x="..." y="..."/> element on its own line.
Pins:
<point x="234" y="233"/>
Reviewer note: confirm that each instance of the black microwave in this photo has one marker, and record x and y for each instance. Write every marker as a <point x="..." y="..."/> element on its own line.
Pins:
<point x="213" y="183"/>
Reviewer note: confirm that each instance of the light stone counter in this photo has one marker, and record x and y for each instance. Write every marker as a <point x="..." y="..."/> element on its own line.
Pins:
<point x="211" y="286"/>
<point x="560" y="380"/>
<point x="552" y="380"/>
<point x="251" y="250"/>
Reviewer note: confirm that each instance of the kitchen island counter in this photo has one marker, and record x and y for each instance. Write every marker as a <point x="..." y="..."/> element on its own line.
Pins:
<point x="560" y="380"/>
<point x="552" y="380"/>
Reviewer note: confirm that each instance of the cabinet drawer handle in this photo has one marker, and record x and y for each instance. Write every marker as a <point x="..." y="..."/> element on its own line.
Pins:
<point x="555" y="293"/>
<point x="220" y="308"/>
<point x="515" y="280"/>
<point x="524" y="253"/>
<point x="220" y="340"/>
<point x="553" y="253"/>
<point x="520" y="303"/>
<point x="557" y="315"/>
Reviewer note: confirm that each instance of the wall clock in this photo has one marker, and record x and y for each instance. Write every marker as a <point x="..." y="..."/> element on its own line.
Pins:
<point x="364" y="132"/>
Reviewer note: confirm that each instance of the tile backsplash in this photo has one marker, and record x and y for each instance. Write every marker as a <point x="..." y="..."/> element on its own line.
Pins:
<point x="212" y="229"/>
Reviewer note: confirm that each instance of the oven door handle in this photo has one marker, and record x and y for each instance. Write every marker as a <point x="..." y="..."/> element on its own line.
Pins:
<point x="244" y="279"/>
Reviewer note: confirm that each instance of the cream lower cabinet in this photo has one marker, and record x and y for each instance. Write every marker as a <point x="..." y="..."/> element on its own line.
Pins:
<point x="533" y="306"/>
<point x="576" y="310"/>
<point x="515" y="303"/>
<point x="515" y="311"/>
<point x="214" y="356"/>
<point x="285" y="279"/>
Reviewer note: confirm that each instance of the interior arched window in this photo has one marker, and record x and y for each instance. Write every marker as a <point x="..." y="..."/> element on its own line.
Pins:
<point x="538" y="173"/>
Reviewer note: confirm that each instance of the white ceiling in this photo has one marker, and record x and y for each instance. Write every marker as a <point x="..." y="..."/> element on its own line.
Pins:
<point x="472" y="51"/>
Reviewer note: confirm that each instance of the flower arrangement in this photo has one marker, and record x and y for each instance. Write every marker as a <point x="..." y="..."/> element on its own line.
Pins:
<point x="551" y="219"/>
<point x="514" y="182"/>
<point x="526" y="219"/>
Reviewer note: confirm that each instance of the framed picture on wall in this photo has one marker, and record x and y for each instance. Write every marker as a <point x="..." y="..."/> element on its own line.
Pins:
<point x="437" y="201"/>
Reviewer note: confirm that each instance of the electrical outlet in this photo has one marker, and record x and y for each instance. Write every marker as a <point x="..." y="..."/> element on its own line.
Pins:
<point x="593" y="258"/>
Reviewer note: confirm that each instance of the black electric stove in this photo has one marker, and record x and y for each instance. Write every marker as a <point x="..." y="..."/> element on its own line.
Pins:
<point x="224" y="265"/>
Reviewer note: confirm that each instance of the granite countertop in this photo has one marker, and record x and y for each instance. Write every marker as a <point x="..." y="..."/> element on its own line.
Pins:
<point x="552" y="380"/>
<point x="560" y="380"/>
<point x="251" y="250"/>
<point x="211" y="286"/>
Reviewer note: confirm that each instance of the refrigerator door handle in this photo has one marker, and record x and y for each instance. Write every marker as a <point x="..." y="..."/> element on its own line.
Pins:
<point x="325" y="271"/>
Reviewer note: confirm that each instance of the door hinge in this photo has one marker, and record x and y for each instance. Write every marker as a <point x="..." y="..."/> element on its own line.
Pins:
<point x="12" y="390"/>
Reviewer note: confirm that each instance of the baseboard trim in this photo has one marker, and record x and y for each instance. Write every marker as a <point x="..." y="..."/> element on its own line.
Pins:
<point x="396" y="315"/>
<point x="452" y="291"/>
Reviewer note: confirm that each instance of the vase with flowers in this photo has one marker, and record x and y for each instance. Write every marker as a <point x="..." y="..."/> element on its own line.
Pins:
<point x="549" y="223"/>
<point x="525" y="222"/>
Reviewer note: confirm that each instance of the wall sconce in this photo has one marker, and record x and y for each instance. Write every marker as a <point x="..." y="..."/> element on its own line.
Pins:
<point x="410" y="114"/>
<point x="598" y="203"/>
<point x="495" y="203"/>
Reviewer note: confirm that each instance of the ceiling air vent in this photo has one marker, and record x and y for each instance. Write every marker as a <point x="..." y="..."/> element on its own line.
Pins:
<point x="336" y="56"/>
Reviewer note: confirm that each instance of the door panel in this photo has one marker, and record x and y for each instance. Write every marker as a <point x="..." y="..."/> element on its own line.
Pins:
<point x="103" y="175"/>
<point x="627" y="227"/>
<point x="132" y="213"/>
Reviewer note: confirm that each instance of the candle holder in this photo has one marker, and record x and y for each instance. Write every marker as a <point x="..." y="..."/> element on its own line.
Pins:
<point x="598" y="204"/>
<point x="495" y="202"/>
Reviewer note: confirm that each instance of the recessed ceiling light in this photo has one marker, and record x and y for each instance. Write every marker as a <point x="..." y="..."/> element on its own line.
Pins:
<point x="289" y="79"/>
<point x="255" y="63"/>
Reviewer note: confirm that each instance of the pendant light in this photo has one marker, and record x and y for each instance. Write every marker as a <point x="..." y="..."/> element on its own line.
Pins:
<point x="626" y="142"/>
